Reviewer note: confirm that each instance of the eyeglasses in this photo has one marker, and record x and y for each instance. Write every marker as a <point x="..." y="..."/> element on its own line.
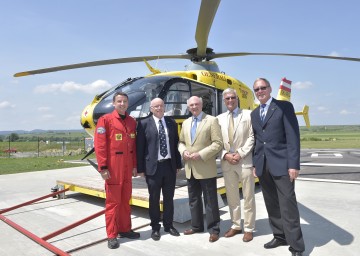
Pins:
<point x="230" y="98"/>
<point x="262" y="88"/>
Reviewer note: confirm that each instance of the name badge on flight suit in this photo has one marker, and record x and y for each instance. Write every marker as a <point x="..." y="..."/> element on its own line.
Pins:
<point x="118" y="136"/>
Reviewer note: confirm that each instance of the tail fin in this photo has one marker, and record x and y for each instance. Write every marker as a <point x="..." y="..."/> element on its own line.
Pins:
<point x="284" y="90"/>
<point x="305" y="114"/>
<point x="285" y="94"/>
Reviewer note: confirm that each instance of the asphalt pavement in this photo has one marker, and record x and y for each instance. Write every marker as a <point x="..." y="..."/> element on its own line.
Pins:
<point x="327" y="190"/>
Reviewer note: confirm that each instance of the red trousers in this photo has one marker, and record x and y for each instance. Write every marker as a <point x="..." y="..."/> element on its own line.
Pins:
<point x="118" y="211"/>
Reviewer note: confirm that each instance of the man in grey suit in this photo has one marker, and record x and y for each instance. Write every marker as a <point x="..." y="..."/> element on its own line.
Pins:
<point x="277" y="163"/>
<point x="199" y="143"/>
<point x="159" y="160"/>
<point x="236" y="164"/>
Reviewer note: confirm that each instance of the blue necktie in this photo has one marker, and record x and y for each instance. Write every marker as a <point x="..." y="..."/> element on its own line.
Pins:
<point x="262" y="112"/>
<point x="162" y="137"/>
<point x="193" y="129"/>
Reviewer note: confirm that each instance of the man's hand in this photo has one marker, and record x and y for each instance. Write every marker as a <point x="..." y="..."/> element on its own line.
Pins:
<point x="254" y="172"/>
<point x="105" y="174"/>
<point x="134" y="172"/>
<point x="233" y="158"/>
<point x="195" y="156"/>
<point x="293" y="173"/>
<point x="186" y="155"/>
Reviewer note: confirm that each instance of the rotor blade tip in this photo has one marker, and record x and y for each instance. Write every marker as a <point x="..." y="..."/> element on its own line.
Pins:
<point x="22" y="74"/>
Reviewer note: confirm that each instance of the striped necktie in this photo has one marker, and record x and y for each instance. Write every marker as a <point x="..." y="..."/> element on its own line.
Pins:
<point x="262" y="112"/>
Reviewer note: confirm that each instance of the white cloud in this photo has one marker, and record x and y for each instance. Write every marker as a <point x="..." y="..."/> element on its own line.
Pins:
<point x="48" y="116"/>
<point x="6" y="104"/>
<point x="321" y="108"/>
<point x="71" y="87"/>
<point x="345" y="112"/>
<point x="43" y="109"/>
<point x="303" y="85"/>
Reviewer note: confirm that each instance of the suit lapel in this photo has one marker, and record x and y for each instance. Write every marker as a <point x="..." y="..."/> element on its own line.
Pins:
<point x="272" y="108"/>
<point x="199" y="127"/>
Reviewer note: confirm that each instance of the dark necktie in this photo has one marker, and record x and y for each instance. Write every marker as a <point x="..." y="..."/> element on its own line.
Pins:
<point x="162" y="137"/>
<point x="262" y="112"/>
<point x="193" y="129"/>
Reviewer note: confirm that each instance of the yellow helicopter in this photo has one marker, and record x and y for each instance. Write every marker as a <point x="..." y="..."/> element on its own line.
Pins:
<point x="202" y="77"/>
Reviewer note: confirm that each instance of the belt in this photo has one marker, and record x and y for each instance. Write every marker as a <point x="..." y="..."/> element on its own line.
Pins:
<point x="163" y="160"/>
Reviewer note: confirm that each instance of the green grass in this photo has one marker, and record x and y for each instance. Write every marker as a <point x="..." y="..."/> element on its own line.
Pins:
<point x="333" y="136"/>
<point x="31" y="164"/>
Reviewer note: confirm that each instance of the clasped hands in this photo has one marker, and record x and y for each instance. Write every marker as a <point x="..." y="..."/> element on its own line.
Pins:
<point x="191" y="156"/>
<point x="232" y="158"/>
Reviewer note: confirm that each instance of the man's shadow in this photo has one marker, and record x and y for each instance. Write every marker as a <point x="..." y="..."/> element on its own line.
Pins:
<point x="317" y="232"/>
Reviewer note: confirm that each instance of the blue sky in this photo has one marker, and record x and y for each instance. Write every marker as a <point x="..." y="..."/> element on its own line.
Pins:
<point x="42" y="33"/>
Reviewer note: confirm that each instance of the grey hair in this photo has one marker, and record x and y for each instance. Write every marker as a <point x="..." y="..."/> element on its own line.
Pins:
<point x="262" y="79"/>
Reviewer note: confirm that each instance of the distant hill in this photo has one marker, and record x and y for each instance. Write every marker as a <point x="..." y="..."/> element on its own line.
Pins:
<point x="38" y="131"/>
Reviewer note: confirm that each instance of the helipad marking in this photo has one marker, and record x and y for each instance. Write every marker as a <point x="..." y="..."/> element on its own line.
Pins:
<point x="327" y="155"/>
<point x="325" y="164"/>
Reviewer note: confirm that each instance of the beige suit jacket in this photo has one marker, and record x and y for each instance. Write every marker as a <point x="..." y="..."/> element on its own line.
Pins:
<point x="207" y="142"/>
<point x="243" y="137"/>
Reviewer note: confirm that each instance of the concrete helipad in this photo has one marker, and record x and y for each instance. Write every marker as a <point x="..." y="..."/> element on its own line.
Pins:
<point x="329" y="218"/>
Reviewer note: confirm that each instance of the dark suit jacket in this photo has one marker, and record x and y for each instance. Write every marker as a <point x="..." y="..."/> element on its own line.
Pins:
<point x="277" y="139"/>
<point x="147" y="145"/>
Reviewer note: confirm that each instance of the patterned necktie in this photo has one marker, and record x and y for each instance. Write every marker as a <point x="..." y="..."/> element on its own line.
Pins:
<point x="262" y="112"/>
<point x="193" y="129"/>
<point x="162" y="137"/>
<point x="231" y="129"/>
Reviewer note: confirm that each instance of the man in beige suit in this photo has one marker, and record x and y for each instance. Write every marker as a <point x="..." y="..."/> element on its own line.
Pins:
<point x="199" y="144"/>
<point x="236" y="164"/>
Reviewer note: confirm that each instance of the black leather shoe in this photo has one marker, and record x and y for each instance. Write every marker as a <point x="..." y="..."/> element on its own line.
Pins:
<point x="172" y="231"/>
<point x="131" y="234"/>
<point x="113" y="243"/>
<point x="155" y="235"/>
<point x="274" y="243"/>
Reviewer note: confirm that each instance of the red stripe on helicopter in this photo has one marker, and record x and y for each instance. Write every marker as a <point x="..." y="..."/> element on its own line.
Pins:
<point x="285" y="88"/>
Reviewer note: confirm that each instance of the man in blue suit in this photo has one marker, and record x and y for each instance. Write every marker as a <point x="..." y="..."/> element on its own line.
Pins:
<point x="159" y="160"/>
<point x="277" y="163"/>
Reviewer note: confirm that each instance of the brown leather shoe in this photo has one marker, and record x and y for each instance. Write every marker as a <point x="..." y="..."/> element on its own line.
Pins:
<point x="191" y="231"/>
<point x="213" y="238"/>
<point x="248" y="236"/>
<point x="232" y="232"/>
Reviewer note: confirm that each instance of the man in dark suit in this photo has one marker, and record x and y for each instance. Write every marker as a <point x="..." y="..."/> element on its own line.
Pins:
<point x="159" y="160"/>
<point x="277" y="163"/>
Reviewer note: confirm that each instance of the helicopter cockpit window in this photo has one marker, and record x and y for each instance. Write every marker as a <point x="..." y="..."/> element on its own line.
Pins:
<point x="141" y="92"/>
<point x="208" y="96"/>
<point x="175" y="99"/>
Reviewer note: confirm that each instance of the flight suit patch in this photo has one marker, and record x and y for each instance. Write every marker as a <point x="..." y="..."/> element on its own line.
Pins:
<point x="118" y="136"/>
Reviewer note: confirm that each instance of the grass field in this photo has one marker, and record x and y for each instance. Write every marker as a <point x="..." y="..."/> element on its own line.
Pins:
<point x="316" y="137"/>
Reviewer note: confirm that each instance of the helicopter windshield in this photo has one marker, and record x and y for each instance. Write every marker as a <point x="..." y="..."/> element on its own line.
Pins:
<point x="173" y="90"/>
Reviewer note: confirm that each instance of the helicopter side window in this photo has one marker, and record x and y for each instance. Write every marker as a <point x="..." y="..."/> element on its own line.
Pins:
<point x="175" y="100"/>
<point x="208" y="96"/>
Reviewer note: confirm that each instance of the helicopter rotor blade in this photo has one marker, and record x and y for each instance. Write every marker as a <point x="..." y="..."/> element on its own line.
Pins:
<point x="101" y="63"/>
<point x="207" y="13"/>
<point x="234" y="54"/>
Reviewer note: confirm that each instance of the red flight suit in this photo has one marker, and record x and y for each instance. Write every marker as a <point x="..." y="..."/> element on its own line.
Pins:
<point x="115" y="150"/>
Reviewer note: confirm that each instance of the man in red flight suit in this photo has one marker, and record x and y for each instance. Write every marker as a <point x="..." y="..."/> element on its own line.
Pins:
<point x="116" y="157"/>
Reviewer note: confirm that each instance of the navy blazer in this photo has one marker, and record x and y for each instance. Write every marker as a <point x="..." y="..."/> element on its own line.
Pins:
<point x="147" y="145"/>
<point x="277" y="139"/>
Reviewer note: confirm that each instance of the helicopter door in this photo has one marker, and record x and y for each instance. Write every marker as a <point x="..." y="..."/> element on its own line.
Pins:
<point x="208" y="96"/>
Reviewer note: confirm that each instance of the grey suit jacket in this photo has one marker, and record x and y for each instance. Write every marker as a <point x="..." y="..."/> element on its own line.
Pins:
<point x="208" y="142"/>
